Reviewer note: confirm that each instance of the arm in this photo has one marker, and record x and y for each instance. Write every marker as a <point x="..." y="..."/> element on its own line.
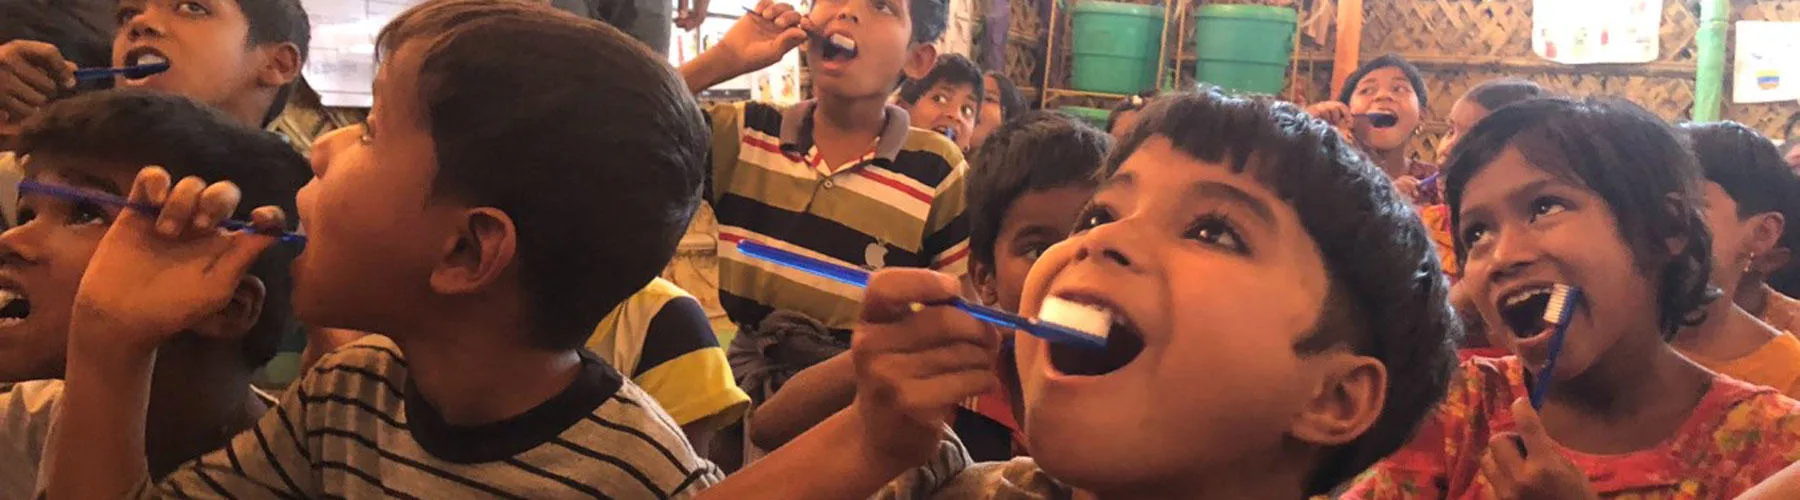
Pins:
<point x="809" y="398"/>
<point x="757" y="40"/>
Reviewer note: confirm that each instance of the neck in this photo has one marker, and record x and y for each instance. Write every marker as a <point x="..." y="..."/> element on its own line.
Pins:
<point x="1273" y="481"/>
<point x="1753" y="296"/>
<point x="1393" y="162"/>
<point x="476" y="373"/>
<point x="249" y="110"/>
<point x="199" y="397"/>
<point x="1728" y="333"/>
<point x="850" y="115"/>
<point x="1633" y="396"/>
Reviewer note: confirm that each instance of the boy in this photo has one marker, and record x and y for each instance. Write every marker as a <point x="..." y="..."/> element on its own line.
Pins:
<point x="1316" y="340"/>
<point x="662" y="340"/>
<point x="842" y="177"/>
<point x="60" y="25"/>
<point x="201" y="395"/>
<point x="1025" y="190"/>
<point x="475" y="229"/>
<point x="952" y="98"/>
<point x="241" y="56"/>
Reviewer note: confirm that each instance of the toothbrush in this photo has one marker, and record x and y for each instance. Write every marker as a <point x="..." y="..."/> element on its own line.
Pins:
<point x="1557" y="313"/>
<point x="138" y="71"/>
<point x="1092" y="323"/>
<point x="815" y="35"/>
<point x="69" y="193"/>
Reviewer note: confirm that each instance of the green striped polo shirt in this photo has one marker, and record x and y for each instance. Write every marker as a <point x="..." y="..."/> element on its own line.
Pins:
<point x="901" y="204"/>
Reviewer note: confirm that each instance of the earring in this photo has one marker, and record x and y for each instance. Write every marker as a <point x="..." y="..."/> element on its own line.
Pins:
<point x="1749" y="261"/>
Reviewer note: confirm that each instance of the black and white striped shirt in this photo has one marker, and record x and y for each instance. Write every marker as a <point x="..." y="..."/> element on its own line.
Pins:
<point x="353" y="428"/>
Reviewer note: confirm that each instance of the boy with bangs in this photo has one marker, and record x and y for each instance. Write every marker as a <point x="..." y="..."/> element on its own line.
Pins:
<point x="948" y="100"/>
<point x="1599" y="194"/>
<point x="475" y="229"/>
<point x="201" y="395"/>
<point x="843" y="177"/>
<point x="1028" y="184"/>
<point x="1317" y="340"/>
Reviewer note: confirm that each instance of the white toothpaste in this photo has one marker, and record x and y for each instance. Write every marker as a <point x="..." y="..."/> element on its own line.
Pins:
<point x="1081" y="317"/>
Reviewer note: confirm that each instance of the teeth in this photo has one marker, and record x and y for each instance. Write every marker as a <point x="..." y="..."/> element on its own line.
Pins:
<point x="1082" y="317"/>
<point x="843" y="42"/>
<point x="7" y="296"/>
<point x="151" y="59"/>
<point x="1522" y="296"/>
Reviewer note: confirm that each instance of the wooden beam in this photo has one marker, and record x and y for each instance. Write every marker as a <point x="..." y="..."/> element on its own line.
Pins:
<point x="1349" y="42"/>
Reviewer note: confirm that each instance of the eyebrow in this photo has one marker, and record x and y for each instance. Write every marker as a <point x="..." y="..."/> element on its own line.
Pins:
<point x="1210" y="189"/>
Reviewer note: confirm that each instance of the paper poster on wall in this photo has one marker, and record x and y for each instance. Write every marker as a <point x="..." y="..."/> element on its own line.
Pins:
<point x="1767" y="67"/>
<point x="341" y="60"/>
<point x="1596" y="31"/>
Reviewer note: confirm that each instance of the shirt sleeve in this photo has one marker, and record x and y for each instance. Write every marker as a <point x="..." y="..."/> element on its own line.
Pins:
<point x="683" y="367"/>
<point x="269" y="460"/>
<point x="947" y="227"/>
<point x="926" y="481"/>
<point x="727" y="122"/>
<point x="26" y="410"/>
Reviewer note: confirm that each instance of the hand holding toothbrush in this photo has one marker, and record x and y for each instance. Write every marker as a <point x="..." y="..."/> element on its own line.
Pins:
<point x="31" y="73"/>
<point x="915" y="364"/>
<point x="1525" y="463"/>
<point x="764" y="34"/>
<point x="156" y="274"/>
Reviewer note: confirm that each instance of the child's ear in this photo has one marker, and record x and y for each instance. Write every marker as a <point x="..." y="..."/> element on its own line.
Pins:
<point x="920" y="60"/>
<point x="1766" y="230"/>
<point x="986" y="284"/>
<point x="240" y="314"/>
<point x="482" y="249"/>
<point x="281" y="65"/>
<point x="1351" y="393"/>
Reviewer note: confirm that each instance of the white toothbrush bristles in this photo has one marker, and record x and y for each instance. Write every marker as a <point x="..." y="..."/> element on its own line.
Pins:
<point x="1562" y="301"/>
<point x="1080" y="317"/>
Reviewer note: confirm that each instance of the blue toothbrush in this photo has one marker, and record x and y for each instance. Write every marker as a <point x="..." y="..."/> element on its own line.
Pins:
<point x="73" y="194"/>
<point x="860" y="278"/>
<point x="1557" y="313"/>
<point x="134" y="72"/>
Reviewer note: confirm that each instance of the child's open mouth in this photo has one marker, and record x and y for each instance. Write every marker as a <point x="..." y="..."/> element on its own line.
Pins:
<point x="1523" y="311"/>
<point x="14" y="307"/>
<point x="1123" y="344"/>
<point x="144" y="56"/>
<point x="837" y="47"/>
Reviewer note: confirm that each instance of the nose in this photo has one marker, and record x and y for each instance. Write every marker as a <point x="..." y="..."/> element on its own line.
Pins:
<point x="328" y="145"/>
<point x="143" y="25"/>
<point x="1513" y="252"/>
<point x="1114" y="245"/>
<point x="17" y="246"/>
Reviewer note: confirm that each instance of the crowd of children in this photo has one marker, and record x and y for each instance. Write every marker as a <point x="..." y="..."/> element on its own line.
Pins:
<point x="1286" y="289"/>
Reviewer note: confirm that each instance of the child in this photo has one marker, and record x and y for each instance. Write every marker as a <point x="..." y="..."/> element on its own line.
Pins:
<point x="947" y="100"/>
<point x="1000" y="102"/>
<point x="663" y="341"/>
<point x="1601" y="195"/>
<point x="202" y="393"/>
<point x="1386" y="85"/>
<point x="1746" y="207"/>
<point x="1274" y="300"/>
<point x="1025" y="189"/>
<point x="842" y="177"/>
<point x="1124" y="116"/>
<point x="1481" y="101"/>
<point x="59" y="25"/>
<point x="475" y="229"/>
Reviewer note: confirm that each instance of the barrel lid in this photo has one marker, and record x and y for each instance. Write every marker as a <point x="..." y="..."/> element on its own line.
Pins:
<point x="1100" y="7"/>
<point x="1260" y="12"/>
<point x="1085" y="112"/>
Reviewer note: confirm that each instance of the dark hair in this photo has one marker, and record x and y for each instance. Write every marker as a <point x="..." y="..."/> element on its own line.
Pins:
<point x="929" y="19"/>
<point x="1633" y="161"/>
<point x="1041" y="150"/>
<point x="137" y="127"/>
<point x="1012" y="104"/>
<point x="58" y="24"/>
<point x="1751" y="170"/>
<point x="599" y="207"/>
<point x="1387" y="61"/>
<point x="1126" y="105"/>
<point x="952" y="69"/>
<point x="1388" y="297"/>
<point x="278" y="21"/>
<point x="1496" y="94"/>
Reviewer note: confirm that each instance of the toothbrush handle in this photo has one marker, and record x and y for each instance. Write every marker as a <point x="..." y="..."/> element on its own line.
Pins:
<point x="846" y="275"/>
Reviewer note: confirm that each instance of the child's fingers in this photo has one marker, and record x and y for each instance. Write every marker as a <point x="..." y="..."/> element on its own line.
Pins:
<point x="932" y="400"/>
<point x="1500" y="480"/>
<point x="1504" y="450"/>
<point x="789" y="19"/>
<point x="791" y="38"/>
<point x="776" y="11"/>
<point x="268" y="220"/>
<point x="245" y="248"/>
<point x="1531" y="428"/>
<point x="178" y="209"/>
<point x="217" y="202"/>
<point x="892" y="292"/>
<point x="900" y="368"/>
<point x="151" y="187"/>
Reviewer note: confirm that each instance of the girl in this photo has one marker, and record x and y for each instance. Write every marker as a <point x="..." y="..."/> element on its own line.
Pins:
<point x="1601" y="195"/>
<point x="1000" y="103"/>
<point x="1388" y="85"/>
<point x="1464" y="114"/>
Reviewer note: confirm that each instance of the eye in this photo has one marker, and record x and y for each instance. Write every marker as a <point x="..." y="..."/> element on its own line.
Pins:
<point x="87" y="213"/>
<point x="968" y="111"/>
<point x="1216" y="230"/>
<point x="940" y="98"/>
<point x="193" y="8"/>
<point x="1095" y="216"/>
<point x="1474" y="234"/>
<point x="883" y="7"/>
<point x="1545" y="207"/>
<point x="26" y="215"/>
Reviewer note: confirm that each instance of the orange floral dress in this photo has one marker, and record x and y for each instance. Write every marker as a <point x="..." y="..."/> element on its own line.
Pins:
<point x="1737" y="436"/>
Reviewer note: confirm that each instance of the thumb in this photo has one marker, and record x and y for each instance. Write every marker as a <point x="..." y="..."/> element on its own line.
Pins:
<point x="267" y="225"/>
<point x="791" y="38"/>
<point x="1531" y="428"/>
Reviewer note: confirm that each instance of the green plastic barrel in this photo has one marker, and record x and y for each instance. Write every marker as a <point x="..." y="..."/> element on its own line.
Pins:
<point x="1115" y="46"/>
<point x="1244" y="47"/>
<point x="1093" y="116"/>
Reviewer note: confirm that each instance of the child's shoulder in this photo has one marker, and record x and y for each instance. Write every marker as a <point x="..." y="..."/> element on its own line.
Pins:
<point x="929" y="146"/>
<point x="371" y="355"/>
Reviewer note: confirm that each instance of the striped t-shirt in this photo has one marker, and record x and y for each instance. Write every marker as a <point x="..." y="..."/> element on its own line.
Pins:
<point x="901" y="205"/>
<point x="353" y="427"/>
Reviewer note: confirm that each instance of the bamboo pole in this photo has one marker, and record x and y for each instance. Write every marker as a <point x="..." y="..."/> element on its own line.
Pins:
<point x="1709" y="70"/>
<point x="1349" y="43"/>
